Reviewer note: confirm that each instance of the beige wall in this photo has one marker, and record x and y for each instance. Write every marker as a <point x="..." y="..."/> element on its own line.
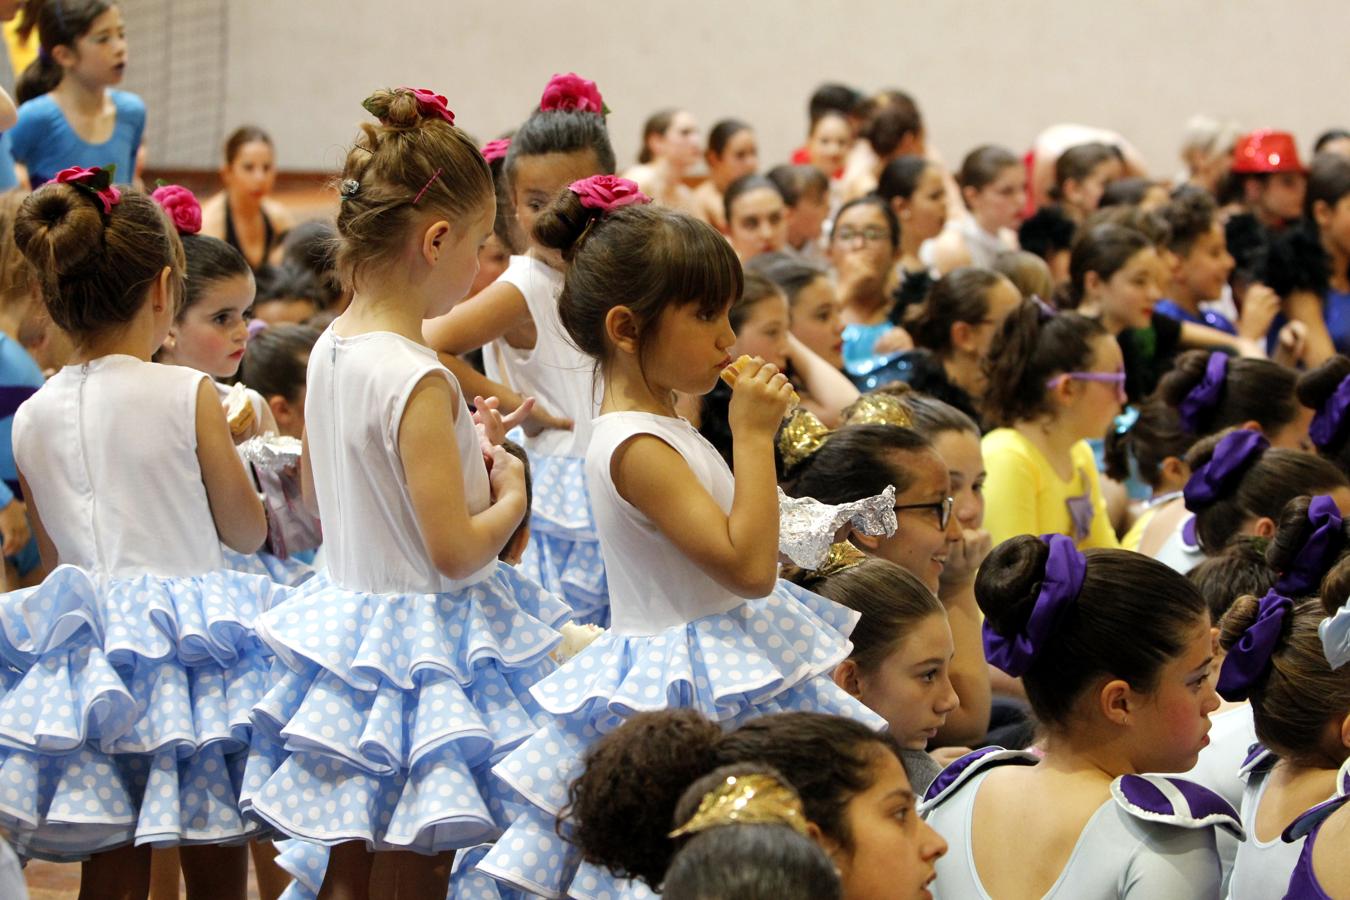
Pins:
<point x="982" y="71"/>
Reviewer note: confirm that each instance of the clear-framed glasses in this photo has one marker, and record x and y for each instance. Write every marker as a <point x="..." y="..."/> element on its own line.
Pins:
<point x="1115" y="378"/>
<point x="943" y="508"/>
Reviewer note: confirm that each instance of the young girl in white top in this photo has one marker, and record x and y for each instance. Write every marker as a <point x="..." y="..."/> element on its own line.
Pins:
<point x="403" y="667"/>
<point x="698" y="617"/>
<point x="515" y="321"/>
<point x="131" y="668"/>
<point x="1115" y="653"/>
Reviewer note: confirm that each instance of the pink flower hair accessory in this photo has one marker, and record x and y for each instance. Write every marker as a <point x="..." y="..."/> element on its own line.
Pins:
<point x="430" y="103"/>
<point x="571" y="91"/>
<point x="181" y="205"/>
<point x="96" y="182"/>
<point x="607" y="192"/>
<point x="495" y="150"/>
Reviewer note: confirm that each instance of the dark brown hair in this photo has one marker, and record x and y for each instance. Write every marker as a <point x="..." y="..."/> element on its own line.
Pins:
<point x="744" y="185"/>
<point x="408" y="156"/>
<point x="1190" y="214"/>
<point x="789" y="272"/>
<point x="1254" y="390"/>
<point x="722" y="133"/>
<point x="929" y="416"/>
<point x="624" y="801"/>
<point x="94" y="268"/>
<point x="658" y="123"/>
<point x="983" y="165"/>
<point x="245" y="134"/>
<point x="1300" y="693"/>
<point x="1239" y="570"/>
<point x="1028" y="351"/>
<point x="854" y="462"/>
<point x="274" y="360"/>
<point x="209" y="260"/>
<point x="59" y="23"/>
<point x="1104" y="249"/>
<point x="757" y="289"/>
<point x="961" y="295"/>
<point x="890" y="599"/>
<point x="890" y="116"/>
<point x="892" y="223"/>
<point x="1132" y="616"/>
<point x="1154" y="435"/>
<point x="1315" y="388"/>
<point x="644" y="257"/>
<point x="1292" y="532"/>
<point x="795" y="182"/>
<point x="1077" y="163"/>
<point x="1262" y="489"/>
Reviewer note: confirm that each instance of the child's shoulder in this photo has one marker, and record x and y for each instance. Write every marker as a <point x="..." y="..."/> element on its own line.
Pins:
<point x="127" y="103"/>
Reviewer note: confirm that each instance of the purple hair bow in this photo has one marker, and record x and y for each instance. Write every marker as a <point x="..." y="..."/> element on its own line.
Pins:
<point x="1060" y="586"/>
<point x="1249" y="659"/>
<point x="1204" y="397"/>
<point x="1225" y="468"/>
<point x="1330" y="420"/>
<point x="1318" y="553"/>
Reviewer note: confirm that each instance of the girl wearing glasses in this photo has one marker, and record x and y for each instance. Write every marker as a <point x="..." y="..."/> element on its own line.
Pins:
<point x="1054" y="382"/>
<point x="863" y="244"/>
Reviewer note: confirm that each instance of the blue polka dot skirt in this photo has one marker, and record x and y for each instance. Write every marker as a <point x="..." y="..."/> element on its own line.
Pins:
<point x="386" y="711"/>
<point x="289" y="572"/>
<point x="306" y="863"/>
<point x="564" y="553"/>
<point x="125" y="710"/>
<point x="769" y="655"/>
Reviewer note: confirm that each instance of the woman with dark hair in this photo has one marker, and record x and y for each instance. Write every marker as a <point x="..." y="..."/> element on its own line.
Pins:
<point x="243" y="215"/>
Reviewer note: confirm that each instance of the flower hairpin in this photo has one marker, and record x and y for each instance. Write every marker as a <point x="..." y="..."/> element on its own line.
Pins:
<point x="495" y="150"/>
<point x="572" y="92"/>
<point x="430" y="103"/>
<point x="182" y="207"/>
<point x="607" y="192"/>
<point x="96" y="182"/>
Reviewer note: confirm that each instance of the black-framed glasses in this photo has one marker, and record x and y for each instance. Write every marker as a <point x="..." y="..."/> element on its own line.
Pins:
<point x="943" y="508"/>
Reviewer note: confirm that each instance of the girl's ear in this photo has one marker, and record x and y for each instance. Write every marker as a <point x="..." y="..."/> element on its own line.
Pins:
<point x="846" y="676"/>
<point x="64" y="56"/>
<point x="622" y="330"/>
<point x="1264" y="527"/>
<point x="1114" y="701"/>
<point x="865" y="542"/>
<point x="1175" y="470"/>
<point x="1345" y="731"/>
<point x="1092" y="282"/>
<point x="969" y="194"/>
<point x="900" y="207"/>
<point x="161" y="297"/>
<point x="963" y="336"/>
<point x="435" y="240"/>
<point x="1321" y="211"/>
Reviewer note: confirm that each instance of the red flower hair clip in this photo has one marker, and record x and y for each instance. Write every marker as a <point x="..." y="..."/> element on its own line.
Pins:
<point x="181" y="205"/>
<point x="607" y="192"/>
<point x="571" y="91"/>
<point x="430" y="103"/>
<point x="96" y="182"/>
<point x="495" y="150"/>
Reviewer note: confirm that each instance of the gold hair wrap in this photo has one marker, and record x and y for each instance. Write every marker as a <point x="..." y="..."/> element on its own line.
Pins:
<point x="878" y="409"/>
<point x="752" y="799"/>
<point x="843" y="555"/>
<point x="801" y="435"/>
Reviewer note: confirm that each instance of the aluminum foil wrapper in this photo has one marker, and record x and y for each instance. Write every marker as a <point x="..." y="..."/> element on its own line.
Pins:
<point x="271" y="452"/>
<point x="807" y="527"/>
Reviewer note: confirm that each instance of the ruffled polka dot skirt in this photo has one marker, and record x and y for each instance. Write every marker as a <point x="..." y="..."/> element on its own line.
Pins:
<point x="564" y="552"/>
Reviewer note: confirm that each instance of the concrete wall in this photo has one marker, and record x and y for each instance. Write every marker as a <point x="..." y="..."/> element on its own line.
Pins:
<point x="982" y="71"/>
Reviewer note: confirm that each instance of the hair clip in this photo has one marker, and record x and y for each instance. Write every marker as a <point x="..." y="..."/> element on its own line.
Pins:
<point x="430" y="182"/>
<point x="430" y="103"/>
<point x="495" y="150"/>
<point x="347" y="190"/>
<point x="878" y="409"/>
<point x="752" y="799"/>
<point x="1125" y="421"/>
<point x="801" y="435"/>
<point x="96" y="182"/>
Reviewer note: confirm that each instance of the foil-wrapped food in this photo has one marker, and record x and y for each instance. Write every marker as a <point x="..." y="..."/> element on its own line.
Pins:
<point x="807" y="527"/>
<point x="271" y="452"/>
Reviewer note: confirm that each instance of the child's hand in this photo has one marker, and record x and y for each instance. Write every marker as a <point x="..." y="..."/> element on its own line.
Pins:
<point x="966" y="555"/>
<point x="492" y="425"/>
<point x="541" y="420"/>
<point x="1259" y="307"/>
<point x="14" y="528"/>
<point x="1291" y="344"/>
<point x="760" y="398"/>
<point x="506" y="474"/>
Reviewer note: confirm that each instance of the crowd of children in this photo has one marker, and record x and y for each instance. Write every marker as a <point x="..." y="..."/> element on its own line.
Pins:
<point x="278" y="582"/>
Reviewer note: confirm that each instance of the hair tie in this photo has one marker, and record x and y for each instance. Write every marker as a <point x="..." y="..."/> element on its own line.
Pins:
<point x="572" y="92"/>
<point x="1126" y="420"/>
<point x="96" y="182"/>
<point x="181" y="205"/>
<point x="1233" y="454"/>
<point x="348" y="188"/>
<point x="1204" y="397"/>
<point x="878" y="409"/>
<point x="1248" y="660"/>
<point x="256" y="327"/>
<point x="753" y="799"/>
<point x="607" y="193"/>
<point x="1065" y="568"/>
<point x="1318" y="553"/>
<point x="1329" y="421"/>
<point x="801" y="435"/>
<point x="495" y="150"/>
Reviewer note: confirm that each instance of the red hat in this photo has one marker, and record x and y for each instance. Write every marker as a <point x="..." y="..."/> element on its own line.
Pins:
<point x="1266" y="151"/>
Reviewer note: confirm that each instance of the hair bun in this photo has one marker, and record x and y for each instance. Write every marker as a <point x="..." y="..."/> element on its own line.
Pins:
<point x="1187" y="372"/>
<point x="59" y="230"/>
<point x="394" y="108"/>
<point x="561" y="225"/>
<point x="1240" y="616"/>
<point x="1009" y="581"/>
<point x="1317" y="385"/>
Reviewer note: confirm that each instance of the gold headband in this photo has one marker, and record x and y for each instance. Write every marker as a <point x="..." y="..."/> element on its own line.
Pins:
<point x="801" y="435"/>
<point x="752" y="799"/>
<point x="879" y="409"/>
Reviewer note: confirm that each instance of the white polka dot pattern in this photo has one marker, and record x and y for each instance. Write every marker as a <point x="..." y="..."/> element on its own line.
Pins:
<point x="564" y="553"/>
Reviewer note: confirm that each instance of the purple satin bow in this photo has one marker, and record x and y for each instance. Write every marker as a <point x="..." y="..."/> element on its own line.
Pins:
<point x="1060" y="586"/>
<point x="1249" y="658"/>
<point x="1318" y="553"/>
<point x="1204" y="397"/>
<point x="1225" y="468"/>
<point x="1330" y="420"/>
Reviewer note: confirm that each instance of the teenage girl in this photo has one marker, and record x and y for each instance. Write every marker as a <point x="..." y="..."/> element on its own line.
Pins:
<point x="402" y="668"/>
<point x="993" y="185"/>
<point x="133" y="664"/>
<point x="858" y="805"/>
<point x="814" y="314"/>
<point x="242" y="215"/>
<point x="1081" y="176"/>
<point x="915" y="189"/>
<point x="732" y="153"/>
<point x="1054" y="381"/>
<point x="1116" y="655"/>
<point x="755" y="216"/>
<point x="690" y="550"/>
<point x="864" y="240"/>
<point x="671" y="147"/>
<point x="515" y="321"/>
<point x="70" y="114"/>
